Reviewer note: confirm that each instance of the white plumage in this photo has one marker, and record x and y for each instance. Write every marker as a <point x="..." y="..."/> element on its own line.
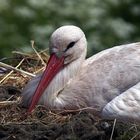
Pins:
<point x="108" y="82"/>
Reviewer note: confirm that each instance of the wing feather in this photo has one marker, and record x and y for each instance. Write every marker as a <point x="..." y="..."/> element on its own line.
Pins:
<point x="126" y="106"/>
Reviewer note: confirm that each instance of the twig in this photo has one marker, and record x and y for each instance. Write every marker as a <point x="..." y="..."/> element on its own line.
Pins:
<point x="21" y="53"/>
<point x="11" y="71"/>
<point x="6" y="103"/>
<point x="10" y="98"/>
<point x="32" y="44"/>
<point x="15" y="69"/>
<point x="40" y="70"/>
<point x="113" y="129"/>
<point x="45" y="50"/>
<point x="76" y="110"/>
<point x="18" y="123"/>
<point x="135" y="136"/>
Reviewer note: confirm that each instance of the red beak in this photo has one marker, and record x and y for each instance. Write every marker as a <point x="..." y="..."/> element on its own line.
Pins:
<point x="54" y="65"/>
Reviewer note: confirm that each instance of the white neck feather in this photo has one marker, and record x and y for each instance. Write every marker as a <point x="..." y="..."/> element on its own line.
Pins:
<point x="60" y="80"/>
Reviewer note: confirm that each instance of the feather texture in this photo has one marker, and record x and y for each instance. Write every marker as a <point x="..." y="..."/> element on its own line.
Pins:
<point x="108" y="82"/>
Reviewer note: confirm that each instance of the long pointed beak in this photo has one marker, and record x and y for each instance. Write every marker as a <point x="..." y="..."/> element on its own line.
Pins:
<point x="53" y="67"/>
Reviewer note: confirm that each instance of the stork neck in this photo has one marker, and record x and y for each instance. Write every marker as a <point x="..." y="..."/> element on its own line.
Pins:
<point x="62" y="78"/>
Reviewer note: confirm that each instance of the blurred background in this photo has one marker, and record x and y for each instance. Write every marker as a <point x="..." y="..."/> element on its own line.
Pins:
<point x="106" y="23"/>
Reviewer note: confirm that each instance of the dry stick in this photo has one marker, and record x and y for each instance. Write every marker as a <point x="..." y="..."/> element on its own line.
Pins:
<point x="76" y="110"/>
<point x="18" y="123"/>
<point x="44" y="50"/>
<point x="32" y="44"/>
<point x="135" y="136"/>
<point x="21" y="53"/>
<point x="11" y="71"/>
<point x="16" y="69"/>
<point x="30" y="55"/>
<point x="113" y="129"/>
<point x="6" y="103"/>
<point x="40" y="70"/>
<point x="10" y="98"/>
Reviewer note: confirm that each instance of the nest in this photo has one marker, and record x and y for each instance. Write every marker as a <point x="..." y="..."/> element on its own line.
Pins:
<point x="13" y="79"/>
<point x="45" y="124"/>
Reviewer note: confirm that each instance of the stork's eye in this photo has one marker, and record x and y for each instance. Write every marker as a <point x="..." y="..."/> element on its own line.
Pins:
<point x="71" y="44"/>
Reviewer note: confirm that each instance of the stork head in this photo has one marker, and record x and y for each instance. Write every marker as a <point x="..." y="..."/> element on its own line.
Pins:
<point x="67" y="44"/>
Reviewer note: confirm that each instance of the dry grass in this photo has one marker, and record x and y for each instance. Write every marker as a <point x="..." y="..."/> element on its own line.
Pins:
<point x="10" y="108"/>
<point x="11" y="111"/>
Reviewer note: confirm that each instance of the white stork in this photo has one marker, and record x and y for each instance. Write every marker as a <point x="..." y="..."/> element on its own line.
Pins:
<point x="108" y="82"/>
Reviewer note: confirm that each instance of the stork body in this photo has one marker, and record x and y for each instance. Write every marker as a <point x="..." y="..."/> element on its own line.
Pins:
<point x="108" y="82"/>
